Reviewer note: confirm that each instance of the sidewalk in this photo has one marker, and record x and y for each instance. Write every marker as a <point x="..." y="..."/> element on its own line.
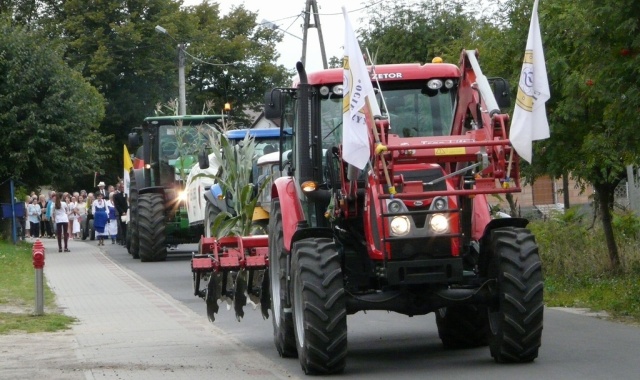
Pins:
<point x="127" y="329"/>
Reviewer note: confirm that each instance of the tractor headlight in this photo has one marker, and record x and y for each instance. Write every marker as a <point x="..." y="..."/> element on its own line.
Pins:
<point x="394" y="207"/>
<point x="434" y="84"/>
<point x="182" y="196"/>
<point x="439" y="223"/>
<point x="400" y="226"/>
<point x="440" y="203"/>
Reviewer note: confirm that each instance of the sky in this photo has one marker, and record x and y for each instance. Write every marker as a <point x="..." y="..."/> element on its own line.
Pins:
<point x="284" y="13"/>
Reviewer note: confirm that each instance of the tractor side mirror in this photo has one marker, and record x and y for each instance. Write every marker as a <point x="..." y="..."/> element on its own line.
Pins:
<point x="133" y="141"/>
<point x="500" y="87"/>
<point x="203" y="159"/>
<point x="273" y="106"/>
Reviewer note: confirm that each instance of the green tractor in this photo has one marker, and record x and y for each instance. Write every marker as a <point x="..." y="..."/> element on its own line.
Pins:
<point x="166" y="149"/>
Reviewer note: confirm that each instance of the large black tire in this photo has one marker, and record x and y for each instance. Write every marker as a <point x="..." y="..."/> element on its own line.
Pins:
<point x="282" y="320"/>
<point x="319" y="308"/>
<point x="515" y="319"/>
<point x="132" y="229"/>
<point x="462" y="326"/>
<point x="151" y="227"/>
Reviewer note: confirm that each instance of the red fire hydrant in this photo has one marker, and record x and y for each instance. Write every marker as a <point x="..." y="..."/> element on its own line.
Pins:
<point x="37" y="254"/>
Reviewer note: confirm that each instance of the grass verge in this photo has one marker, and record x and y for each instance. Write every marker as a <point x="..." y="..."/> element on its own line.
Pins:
<point x="577" y="269"/>
<point x="18" y="294"/>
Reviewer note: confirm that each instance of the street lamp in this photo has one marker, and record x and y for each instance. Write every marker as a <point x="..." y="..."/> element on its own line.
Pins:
<point x="182" y="101"/>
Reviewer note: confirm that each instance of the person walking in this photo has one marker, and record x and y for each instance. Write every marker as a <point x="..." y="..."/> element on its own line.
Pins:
<point x="86" y="231"/>
<point x="102" y="190"/>
<point x="49" y="214"/>
<point x="61" y="218"/>
<point x="100" y="218"/>
<point x="73" y="214"/>
<point x="122" y="206"/>
<point x="112" y="222"/>
<point x="42" y="201"/>
<point x="82" y="215"/>
<point x="33" y="210"/>
<point x="26" y="225"/>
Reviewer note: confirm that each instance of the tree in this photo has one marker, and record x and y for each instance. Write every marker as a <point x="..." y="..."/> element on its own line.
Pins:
<point x="49" y="115"/>
<point x="115" y="46"/>
<point x="400" y="32"/>
<point x="594" y="60"/>
<point x="231" y="59"/>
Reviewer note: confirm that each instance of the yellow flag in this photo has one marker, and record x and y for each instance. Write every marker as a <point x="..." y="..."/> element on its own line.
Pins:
<point x="128" y="165"/>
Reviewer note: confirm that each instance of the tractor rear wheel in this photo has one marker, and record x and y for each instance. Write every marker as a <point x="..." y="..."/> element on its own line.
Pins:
<point x="515" y="318"/>
<point x="319" y="307"/>
<point x="132" y="228"/>
<point x="151" y="227"/>
<point x="462" y="326"/>
<point x="283" y="334"/>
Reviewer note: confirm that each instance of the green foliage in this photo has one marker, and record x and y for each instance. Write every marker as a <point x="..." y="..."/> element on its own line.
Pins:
<point x="400" y="32"/>
<point x="618" y="295"/>
<point x="571" y="248"/>
<point x="17" y="294"/>
<point x="626" y="225"/>
<point x="49" y="115"/>
<point x="236" y="183"/>
<point x="115" y="46"/>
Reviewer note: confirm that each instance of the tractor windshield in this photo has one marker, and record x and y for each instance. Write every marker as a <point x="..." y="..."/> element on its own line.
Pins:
<point x="176" y="141"/>
<point x="413" y="111"/>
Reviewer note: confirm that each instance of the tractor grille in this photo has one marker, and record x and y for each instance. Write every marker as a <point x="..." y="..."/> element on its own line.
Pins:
<point x="420" y="248"/>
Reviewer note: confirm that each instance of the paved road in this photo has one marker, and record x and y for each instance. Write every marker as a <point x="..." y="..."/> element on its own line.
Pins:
<point x="383" y="344"/>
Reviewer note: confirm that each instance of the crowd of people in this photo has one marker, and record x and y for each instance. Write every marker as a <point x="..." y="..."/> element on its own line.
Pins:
<point x="66" y="215"/>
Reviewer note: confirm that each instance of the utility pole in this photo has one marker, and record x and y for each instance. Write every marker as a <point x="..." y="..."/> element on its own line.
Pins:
<point x="312" y="7"/>
<point x="182" y="104"/>
<point x="182" y="92"/>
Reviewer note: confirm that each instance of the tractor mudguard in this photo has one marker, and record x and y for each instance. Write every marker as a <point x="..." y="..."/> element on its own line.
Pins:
<point x="502" y="222"/>
<point x="138" y="174"/>
<point x="284" y="188"/>
<point x="312" y="232"/>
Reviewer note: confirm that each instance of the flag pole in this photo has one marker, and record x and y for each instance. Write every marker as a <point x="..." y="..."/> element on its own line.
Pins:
<point x="379" y="149"/>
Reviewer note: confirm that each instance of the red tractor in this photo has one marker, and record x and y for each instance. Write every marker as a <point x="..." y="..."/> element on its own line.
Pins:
<point x="411" y="233"/>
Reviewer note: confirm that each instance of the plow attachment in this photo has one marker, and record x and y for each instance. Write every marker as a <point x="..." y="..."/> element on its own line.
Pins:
<point x="232" y="269"/>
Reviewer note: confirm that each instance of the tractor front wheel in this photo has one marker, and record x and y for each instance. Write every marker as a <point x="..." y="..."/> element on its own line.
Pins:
<point x="319" y="307"/>
<point x="515" y="318"/>
<point x="283" y="334"/>
<point x="151" y="227"/>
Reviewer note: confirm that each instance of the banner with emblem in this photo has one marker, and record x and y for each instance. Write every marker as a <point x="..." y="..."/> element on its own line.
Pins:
<point x="530" y="115"/>
<point x="359" y="101"/>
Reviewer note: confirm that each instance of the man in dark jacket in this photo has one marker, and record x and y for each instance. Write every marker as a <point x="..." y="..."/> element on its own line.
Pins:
<point x="122" y="206"/>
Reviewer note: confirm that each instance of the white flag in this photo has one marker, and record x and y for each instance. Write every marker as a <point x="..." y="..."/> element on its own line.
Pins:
<point x="357" y="90"/>
<point x="530" y="116"/>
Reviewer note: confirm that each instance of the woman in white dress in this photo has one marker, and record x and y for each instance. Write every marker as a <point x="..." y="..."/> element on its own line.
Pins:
<point x="112" y="224"/>
<point x="82" y="212"/>
<point x="73" y="217"/>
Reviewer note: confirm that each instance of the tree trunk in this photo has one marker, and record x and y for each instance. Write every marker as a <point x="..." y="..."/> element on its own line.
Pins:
<point x="605" y="195"/>
<point x="565" y="190"/>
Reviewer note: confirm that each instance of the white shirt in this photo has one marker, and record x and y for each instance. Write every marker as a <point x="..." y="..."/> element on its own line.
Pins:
<point x="61" y="215"/>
